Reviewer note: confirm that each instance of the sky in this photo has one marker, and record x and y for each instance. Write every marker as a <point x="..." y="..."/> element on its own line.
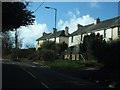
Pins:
<point x="68" y="14"/>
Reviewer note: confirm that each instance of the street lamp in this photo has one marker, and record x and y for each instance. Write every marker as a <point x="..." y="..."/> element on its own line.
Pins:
<point x="55" y="21"/>
<point x="55" y="13"/>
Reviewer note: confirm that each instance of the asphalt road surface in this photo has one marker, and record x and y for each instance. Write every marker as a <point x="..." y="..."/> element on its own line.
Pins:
<point x="19" y="76"/>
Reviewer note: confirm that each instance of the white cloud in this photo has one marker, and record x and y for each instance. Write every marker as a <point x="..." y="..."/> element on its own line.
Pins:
<point x="31" y="33"/>
<point x="94" y="4"/>
<point x="77" y="11"/>
<point x="74" y="13"/>
<point x="75" y="19"/>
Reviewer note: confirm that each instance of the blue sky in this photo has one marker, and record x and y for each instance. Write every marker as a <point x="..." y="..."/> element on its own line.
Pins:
<point x="103" y="10"/>
<point x="68" y="14"/>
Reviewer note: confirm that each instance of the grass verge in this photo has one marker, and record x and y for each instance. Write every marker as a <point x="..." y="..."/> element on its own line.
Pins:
<point x="73" y="64"/>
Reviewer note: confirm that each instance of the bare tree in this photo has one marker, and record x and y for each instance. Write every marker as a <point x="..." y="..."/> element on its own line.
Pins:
<point x="28" y="45"/>
<point x="7" y="43"/>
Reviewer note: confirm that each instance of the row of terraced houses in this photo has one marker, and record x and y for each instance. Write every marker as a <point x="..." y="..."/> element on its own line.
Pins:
<point x="110" y="29"/>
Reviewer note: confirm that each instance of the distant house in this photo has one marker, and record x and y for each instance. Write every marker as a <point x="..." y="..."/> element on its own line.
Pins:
<point x="110" y="29"/>
<point x="57" y="36"/>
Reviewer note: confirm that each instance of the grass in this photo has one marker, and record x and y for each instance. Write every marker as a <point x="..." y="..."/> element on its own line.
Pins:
<point x="66" y="64"/>
<point x="73" y="64"/>
<point x="79" y="64"/>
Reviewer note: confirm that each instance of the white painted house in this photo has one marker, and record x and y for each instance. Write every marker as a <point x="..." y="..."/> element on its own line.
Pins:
<point x="110" y="29"/>
<point x="57" y="36"/>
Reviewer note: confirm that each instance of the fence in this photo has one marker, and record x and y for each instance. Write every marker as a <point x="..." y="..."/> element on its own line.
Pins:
<point x="72" y="56"/>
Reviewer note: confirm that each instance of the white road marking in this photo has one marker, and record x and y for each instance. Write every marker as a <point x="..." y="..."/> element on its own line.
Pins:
<point x="23" y="68"/>
<point x="35" y="77"/>
<point x="28" y="72"/>
<point x="31" y="74"/>
<point x="45" y="85"/>
<point x="34" y="66"/>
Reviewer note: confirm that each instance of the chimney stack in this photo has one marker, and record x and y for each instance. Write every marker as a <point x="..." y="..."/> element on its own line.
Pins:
<point x="79" y="26"/>
<point x="54" y="30"/>
<point x="66" y="30"/>
<point x="96" y="21"/>
<point x="44" y="33"/>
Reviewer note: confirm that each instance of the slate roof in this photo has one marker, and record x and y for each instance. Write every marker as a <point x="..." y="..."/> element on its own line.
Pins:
<point x="51" y="35"/>
<point x="100" y="26"/>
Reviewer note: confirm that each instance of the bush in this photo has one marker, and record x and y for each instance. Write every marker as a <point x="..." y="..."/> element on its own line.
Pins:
<point x="108" y="54"/>
<point x="48" y="55"/>
<point x="33" y="56"/>
<point x="14" y="54"/>
<point x="93" y="63"/>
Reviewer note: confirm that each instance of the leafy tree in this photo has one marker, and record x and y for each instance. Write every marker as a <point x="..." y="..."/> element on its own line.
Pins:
<point x="48" y="45"/>
<point x="57" y="47"/>
<point x="48" y="55"/>
<point x="104" y="52"/>
<point x="108" y="53"/>
<point x="61" y="47"/>
<point x="15" y="14"/>
<point x="47" y="51"/>
<point x="86" y="46"/>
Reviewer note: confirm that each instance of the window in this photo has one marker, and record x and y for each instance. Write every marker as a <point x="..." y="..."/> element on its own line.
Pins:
<point x="105" y="33"/>
<point x="72" y="39"/>
<point x="38" y="43"/>
<point x="119" y="30"/>
<point x="81" y="37"/>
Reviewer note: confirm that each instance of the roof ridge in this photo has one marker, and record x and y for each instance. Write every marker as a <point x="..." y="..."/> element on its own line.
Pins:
<point x="102" y="24"/>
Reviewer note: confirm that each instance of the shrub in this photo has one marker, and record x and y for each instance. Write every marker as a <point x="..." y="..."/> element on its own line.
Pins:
<point x="93" y="63"/>
<point x="14" y="54"/>
<point x="33" y="56"/>
<point x="48" y="55"/>
<point x="48" y="45"/>
<point x="108" y="54"/>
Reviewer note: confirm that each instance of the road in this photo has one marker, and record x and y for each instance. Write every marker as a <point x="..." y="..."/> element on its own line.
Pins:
<point x="20" y="76"/>
<point x="14" y="77"/>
